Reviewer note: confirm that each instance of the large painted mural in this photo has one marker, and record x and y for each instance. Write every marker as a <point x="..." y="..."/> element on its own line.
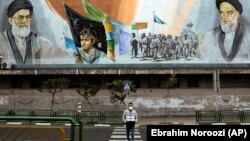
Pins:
<point x="124" y="32"/>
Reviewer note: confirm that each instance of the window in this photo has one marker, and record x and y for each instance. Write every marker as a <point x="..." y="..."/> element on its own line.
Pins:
<point x="36" y="82"/>
<point x="74" y="83"/>
<point x="16" y="83"/>
<point x="193" y="81"/>
<point x="154" y="82"/>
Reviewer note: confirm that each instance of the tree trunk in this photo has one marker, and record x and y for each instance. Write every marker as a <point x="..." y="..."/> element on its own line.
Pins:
<point x="52" y="103"/>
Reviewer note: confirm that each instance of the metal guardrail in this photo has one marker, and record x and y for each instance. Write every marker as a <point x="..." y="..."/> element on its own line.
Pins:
<point x="207" y="117"/>
<point x="67" y="113"/>
<point x="112" y="117"/>
<point x="231" y="116"/>
<point x="72" y="136"/>
<point x="86" y="117"/>
<point x="91" y="117"/>
<point x="43" y="113"/>
<point x="222" y="116"/>
<point x="246" y="115"/>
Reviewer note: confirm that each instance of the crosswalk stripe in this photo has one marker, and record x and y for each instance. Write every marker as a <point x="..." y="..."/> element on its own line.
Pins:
<point x="120" y="126"/>
<point x="124" y="136"/>
<point x="125" y="133"/>
<point x="125" y="126"/>
<point x="124" y="130"/>
<point x="124" y="140"/>
<point x="119" y="134"/>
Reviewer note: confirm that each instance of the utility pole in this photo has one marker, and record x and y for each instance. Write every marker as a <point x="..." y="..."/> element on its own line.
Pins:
<point x="216" y="86"/>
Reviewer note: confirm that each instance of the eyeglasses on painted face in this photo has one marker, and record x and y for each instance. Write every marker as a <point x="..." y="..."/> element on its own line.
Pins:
<point x="21" y="17"/>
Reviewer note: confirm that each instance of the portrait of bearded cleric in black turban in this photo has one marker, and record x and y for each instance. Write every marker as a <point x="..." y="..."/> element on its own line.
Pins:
<point x="20" y="45"/>
<point x="229" y="41"/>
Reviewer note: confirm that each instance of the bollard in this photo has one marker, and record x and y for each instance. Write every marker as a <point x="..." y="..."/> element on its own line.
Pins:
<point x="79" y="110"/>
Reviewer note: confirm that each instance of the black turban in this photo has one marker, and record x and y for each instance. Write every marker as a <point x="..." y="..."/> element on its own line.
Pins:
<point x="235" y="3"/>
<point x="18" y="5"/>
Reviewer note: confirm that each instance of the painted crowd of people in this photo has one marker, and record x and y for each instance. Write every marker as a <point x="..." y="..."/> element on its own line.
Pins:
<point x="166" y="47"/>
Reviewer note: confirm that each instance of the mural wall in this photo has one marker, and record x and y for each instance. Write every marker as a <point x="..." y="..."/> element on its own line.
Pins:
<point x="124" y="32"/>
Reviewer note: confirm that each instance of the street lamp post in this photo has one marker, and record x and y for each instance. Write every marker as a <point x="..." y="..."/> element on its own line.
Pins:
<point x="216" y="85"/>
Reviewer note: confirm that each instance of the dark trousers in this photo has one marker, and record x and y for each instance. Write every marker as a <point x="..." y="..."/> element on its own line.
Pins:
<point x="130" y="128"/>
<point x="134" y="51"/>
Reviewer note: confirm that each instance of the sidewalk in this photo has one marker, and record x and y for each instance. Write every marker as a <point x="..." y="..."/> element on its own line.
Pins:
<point x="167" y="120"/>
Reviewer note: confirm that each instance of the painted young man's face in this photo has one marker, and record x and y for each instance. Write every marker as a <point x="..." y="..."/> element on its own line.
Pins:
<point x="86" y="42"/>
<point x="229" y="17"/>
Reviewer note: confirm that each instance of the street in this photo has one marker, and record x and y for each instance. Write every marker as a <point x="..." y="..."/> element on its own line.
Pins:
<point x="107" y="133"/>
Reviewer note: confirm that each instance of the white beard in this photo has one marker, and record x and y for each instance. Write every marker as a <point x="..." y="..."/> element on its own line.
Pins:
<point x="21" y="32"/>
<point x="229" y="27"/>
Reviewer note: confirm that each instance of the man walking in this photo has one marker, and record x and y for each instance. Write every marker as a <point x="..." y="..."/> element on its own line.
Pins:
<point x="134" y="44"/>
<point x="130" y="118"/>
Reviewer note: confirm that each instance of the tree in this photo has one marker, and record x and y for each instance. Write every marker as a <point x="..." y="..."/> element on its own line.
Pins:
<point x="117" y="91"/>
<point x="54" y="86"/>
<point x="87" y="91"/>
<point x="171" y="81"/>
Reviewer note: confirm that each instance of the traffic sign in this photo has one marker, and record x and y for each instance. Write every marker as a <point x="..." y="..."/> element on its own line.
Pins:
<point x="126" y="85"/>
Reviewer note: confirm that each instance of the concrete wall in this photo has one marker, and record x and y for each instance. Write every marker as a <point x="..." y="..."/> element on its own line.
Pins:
<point x="148" y="102"/>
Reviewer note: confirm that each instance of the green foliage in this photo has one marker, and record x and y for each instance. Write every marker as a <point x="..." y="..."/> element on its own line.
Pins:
<point x="54" y="86"/>
<point x="87" y="91"/>
<point x="172" y="80"/>
<point x="117" y="91"/>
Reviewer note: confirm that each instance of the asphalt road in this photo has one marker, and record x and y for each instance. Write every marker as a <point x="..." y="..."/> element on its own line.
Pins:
<point x="93" y="133"/>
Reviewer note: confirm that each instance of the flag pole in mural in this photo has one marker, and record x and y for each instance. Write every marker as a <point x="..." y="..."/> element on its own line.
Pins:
<point x="139" y="25"/>
<point x="95" y="14"/>
<point x="157" y="20"/>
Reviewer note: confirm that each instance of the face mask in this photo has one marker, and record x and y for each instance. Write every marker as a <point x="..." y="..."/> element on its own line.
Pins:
<point x="130" y="108"/>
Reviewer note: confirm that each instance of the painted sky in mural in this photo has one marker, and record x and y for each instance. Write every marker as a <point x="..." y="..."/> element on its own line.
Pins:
<point x="125" y="32"/>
